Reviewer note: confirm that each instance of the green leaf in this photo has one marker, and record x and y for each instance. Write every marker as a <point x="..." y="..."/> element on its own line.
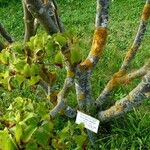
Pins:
<point x="10" y="117"/>
<point x="18" y="133"/>
<point x="30" y="44"/>
<point x="60" y="39"/>
<point x="4" y="57"/>
<point x="75" y="56"/>
<point x="66" y="132"/>
<point x="59" y="59"/>
<point x="9" y="85"/>
<point x="28" y="116"/>
<point x="34" y="121"/>
<point x="35" y="69"/>
<point x="80" y="140"/>
<point x="10" y="107"/>
<point x="42" y="137"/>
<point x="41" y="110"/>
<point x="31" y="146"/>
<point x="20" y="79"/>
<point x="19" y="65"/>
<point x="38" y="42"/>
<point x="27" y="134"/>
<point x="6" y="141"/>
<point x="50" y="48"/>
<point x="17" y="48"/>
<point x="45" y="38"/>
<point x="47" y="126"/>
<point x="18" y="102"/>
<point x="6" y="80"/>
<point x="26" y="71"/>
<point x="34" y="80"/>
<point x="17" y="114"/>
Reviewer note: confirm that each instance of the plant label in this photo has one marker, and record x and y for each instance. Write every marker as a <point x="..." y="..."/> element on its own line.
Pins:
<point x="88" y="121"/>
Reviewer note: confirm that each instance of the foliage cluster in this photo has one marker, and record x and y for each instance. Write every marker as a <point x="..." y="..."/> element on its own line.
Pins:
<point x="33" y="62"/>
<point x="26" y="125"/>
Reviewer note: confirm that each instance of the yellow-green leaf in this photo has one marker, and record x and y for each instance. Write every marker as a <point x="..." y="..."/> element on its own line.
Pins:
<point x="29" y="131"/>
<point x="26" y="71"/>
<point x="18" y="133"/>
<point x="34" y="80"/>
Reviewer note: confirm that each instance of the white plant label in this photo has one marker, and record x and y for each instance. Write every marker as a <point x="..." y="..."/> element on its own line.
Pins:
<point x="88" y="121"/>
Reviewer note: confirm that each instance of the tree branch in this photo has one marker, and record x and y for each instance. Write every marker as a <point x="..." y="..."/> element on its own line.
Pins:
<point x="139" y="37"/>
<point x="83" y="91"/>
<point x="69" y="81"/>
<point x="5" y="34"/>
<point x="56" y="17"/>
<point x="84" y="69"/>
<point x="135" y="97"/>
<point x="121" y="78"/>
<point x="29" y="23"/>
<point x="38" y="9"/>
<point x="100" y="35"/>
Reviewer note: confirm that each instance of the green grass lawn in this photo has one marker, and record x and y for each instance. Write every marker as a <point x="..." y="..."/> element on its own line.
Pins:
<point x="132" y="130"/>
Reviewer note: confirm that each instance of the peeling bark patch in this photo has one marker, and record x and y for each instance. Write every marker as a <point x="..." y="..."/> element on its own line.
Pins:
<point x="146" y="12"/>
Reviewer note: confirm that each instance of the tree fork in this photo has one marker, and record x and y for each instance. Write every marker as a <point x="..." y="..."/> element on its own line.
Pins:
<point x="38" y="10"/>
<point x="135" y="97"/>
<point x="129" y="55"/>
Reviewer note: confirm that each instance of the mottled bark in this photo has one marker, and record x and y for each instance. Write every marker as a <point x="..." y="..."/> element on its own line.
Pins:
<point x="28" y="22"/>
<point x="5" y="34"/>
<point x="100" y="35"/>
<point x="83" y="71"/>
<point x="83" y="90"/>
<point x="39" y="10"/>
<point x="102" y="13"/>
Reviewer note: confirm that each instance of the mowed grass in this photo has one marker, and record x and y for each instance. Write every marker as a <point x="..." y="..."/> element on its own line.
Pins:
<point x="132" y="130"/>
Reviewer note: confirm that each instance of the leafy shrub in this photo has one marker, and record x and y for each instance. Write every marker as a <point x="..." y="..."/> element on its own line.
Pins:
<point x="27" y="65"/>
<point x="26" y="125"/>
